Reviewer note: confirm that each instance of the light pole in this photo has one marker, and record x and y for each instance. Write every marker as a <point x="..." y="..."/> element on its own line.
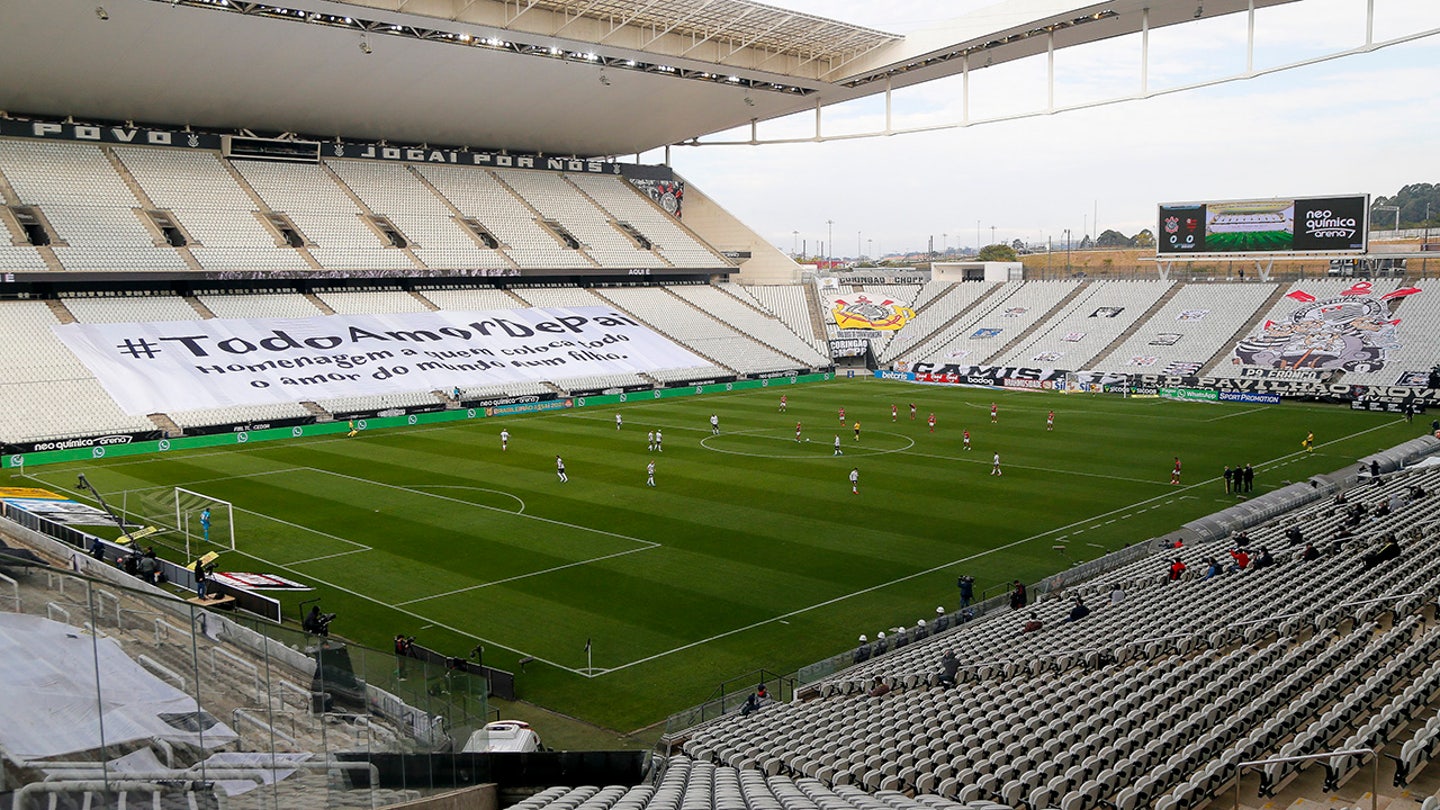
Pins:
<point x="794" y="243"/>
<point x="870" y="249"/>
<point x="859" y="243"/>
<point x="1067" y="251"/>
<point x="977" y="236"/>
<point x="992" y="234"/>
<point x="830" y="243"/>
<point x="944" y="242"/>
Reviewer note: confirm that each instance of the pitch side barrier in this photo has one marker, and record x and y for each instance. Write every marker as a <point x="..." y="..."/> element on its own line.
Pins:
<point x="23" y="460"/>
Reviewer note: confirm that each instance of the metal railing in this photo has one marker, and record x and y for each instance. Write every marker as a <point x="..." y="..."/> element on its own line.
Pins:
<point x="1242" y="767"/>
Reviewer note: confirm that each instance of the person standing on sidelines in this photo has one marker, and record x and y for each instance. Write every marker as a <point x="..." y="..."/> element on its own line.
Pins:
<point x="966" y="434"/>
<point x="650" y="473"/>
<point x="353" y="429"/>
<point x="1050" y="421"/>
<point x="1175" y="473"/>
<point x="1229" y="479"/>
<point x="1248" y="477"/>
<point x="504" y="440"/>
<point x="994" y="414"/>
<point x="618" y="421"/>
<point x="838" y="451"/>
<point x="659" y="440"/>
<point x="560" y="470"/>
<point x="714" y="424"/>
<point x="931" y="420"/>
<point x="995" y="467"/>
<point x="854" y="480"/>
<point x="650" y="441"/>
<point x="784" y="403"/>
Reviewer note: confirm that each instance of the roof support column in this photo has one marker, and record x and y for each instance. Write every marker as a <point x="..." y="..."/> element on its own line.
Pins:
<point x="1262" y="268"/>
<point x="1250" y="38"/>
<point x="888" y="105"/>
<point x="1370" y="22"/>
<point x="965" y="89"/>
<point x="817" y="119"/>
<point x="1050" y="70"/>
<point x="1144" y="51"/>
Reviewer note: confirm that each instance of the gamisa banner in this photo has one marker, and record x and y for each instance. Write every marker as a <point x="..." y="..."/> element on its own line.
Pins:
<point x="185" y="365"/>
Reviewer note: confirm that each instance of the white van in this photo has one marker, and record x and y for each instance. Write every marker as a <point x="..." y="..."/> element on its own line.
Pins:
<point x="503" y="735"/>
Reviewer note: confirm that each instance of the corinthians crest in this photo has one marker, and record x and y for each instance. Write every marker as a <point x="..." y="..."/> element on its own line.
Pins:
<point x="885" y="315"/>
<point x="1351" y="332"/>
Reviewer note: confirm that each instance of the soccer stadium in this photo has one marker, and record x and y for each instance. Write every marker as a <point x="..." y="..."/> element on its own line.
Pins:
<point x="386" y="421"/>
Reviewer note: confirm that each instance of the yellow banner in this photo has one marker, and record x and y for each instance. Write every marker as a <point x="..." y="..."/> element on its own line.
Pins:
<point x="862" y="313"/>
<point x="31" y="492"/>
<point x="137" y="534"/>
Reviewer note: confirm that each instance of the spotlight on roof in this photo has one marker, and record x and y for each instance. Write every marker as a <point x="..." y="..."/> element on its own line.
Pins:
<point x="365" y="46"/>
<point x="102" y="13"/>
<point x="605" y="80"/>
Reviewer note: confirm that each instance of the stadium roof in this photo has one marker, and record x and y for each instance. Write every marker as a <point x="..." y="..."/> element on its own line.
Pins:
<point x="588" y="77"/>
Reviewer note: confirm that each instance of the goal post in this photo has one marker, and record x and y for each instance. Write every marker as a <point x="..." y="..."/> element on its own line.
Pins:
<point x="204" y="518"/>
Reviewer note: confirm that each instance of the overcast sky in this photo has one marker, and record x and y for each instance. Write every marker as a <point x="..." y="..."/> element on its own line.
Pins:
<point x="1366" y="123"/>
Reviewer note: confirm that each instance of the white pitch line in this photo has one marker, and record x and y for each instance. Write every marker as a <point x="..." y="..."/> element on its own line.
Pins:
<point x="648" y="543"/>
<point x="1236" y="413"/>
<point x="527" y="575"/>
<point x="331" y="556"/>
<point x="982" y="461"/>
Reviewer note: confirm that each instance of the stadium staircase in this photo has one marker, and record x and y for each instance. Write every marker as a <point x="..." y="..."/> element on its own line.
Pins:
<point x="1040" y="323"/>
<point x="7" y="193"/>
<point x="321" y="415"/>
<point x="456" y="213"/>
<point x="425" y="302"/>
<point x="144" y="198"/>
<point x="199" y="307"/>
<point x="262" y="208"/>
<point x="613" y="221"/>
<point x="685" y="303"/>
<point x="1229" y="345"/>
<point x="166" y="424"/>
<point x="540" y="219"/>
<point x="62" y="314"/>
<point x="359" y="203"/>
<point x="713" y="361"/>
<point x="680" y="223"/>
<point x="319" y="303"/>
<point x="917" y="349"/>
<point x="1100" y="358"/>
<point x="817" y="320"/>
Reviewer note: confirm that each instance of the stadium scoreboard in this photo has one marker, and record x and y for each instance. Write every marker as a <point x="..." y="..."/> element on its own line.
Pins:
<point x="1296" y="225"/>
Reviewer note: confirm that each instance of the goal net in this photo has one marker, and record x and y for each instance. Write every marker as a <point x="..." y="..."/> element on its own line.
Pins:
<point x="204" y="519"/>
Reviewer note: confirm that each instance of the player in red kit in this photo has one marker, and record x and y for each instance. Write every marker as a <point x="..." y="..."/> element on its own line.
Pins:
<point x="1050" y="421"/>
<point x="797" y="431"/>
<point x="912" y="410"/>
<point x="842" y="416"/>
<point x="894" y="413"/>
<point x="783" y="403"/>
<point x="932" y="421"/>
<point x="994" y="413"/>
<point x="967" y="440"/>
<point x="1175" y="473"/>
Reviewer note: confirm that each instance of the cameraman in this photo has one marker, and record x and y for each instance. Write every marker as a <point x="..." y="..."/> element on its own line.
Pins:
<point x="317" y="623"/>
<point x="402" y="651"/>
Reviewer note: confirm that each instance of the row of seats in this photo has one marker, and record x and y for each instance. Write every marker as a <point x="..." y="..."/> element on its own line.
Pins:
<point x="219" y="204"/>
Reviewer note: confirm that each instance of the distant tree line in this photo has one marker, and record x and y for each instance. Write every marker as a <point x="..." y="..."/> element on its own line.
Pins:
<point x="1415" y="202"/>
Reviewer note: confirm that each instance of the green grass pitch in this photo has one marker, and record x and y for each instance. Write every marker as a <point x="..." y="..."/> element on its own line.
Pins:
<point x="1249" y="241"/>
<point x="751" y="552"/>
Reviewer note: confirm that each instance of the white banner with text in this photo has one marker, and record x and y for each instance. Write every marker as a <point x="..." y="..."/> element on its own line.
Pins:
<point x="186" y="365"/>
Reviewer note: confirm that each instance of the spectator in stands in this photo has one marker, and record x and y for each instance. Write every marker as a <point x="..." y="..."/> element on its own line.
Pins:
<point x="881" y="643"/>
<point x="1375" y="469"/>
<point x="949" y="666"/>
<point x="878" y="688"/>
<point x="1079" y="611"/>
<point x="1309" y="553"/>
<point x="1240" y="559"/>
<point x="942" y="621"/>
<point x="1212" y="568"/>
<point x="920" y="631"/>
<point x="1017" y="596"/>
<point x="862" y="653"/>
<point x="755" y="701"/>
<point x="1388" y="549"/>
<point x="899" y="637"/>
<point x="1294" y="535"/>
<point x="1177" y="568"/>
<point x="1263" y="559"/>
<point x="1032" y="624"/>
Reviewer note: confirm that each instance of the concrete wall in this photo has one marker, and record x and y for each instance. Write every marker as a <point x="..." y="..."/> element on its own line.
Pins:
<point x="720" y="228"/>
